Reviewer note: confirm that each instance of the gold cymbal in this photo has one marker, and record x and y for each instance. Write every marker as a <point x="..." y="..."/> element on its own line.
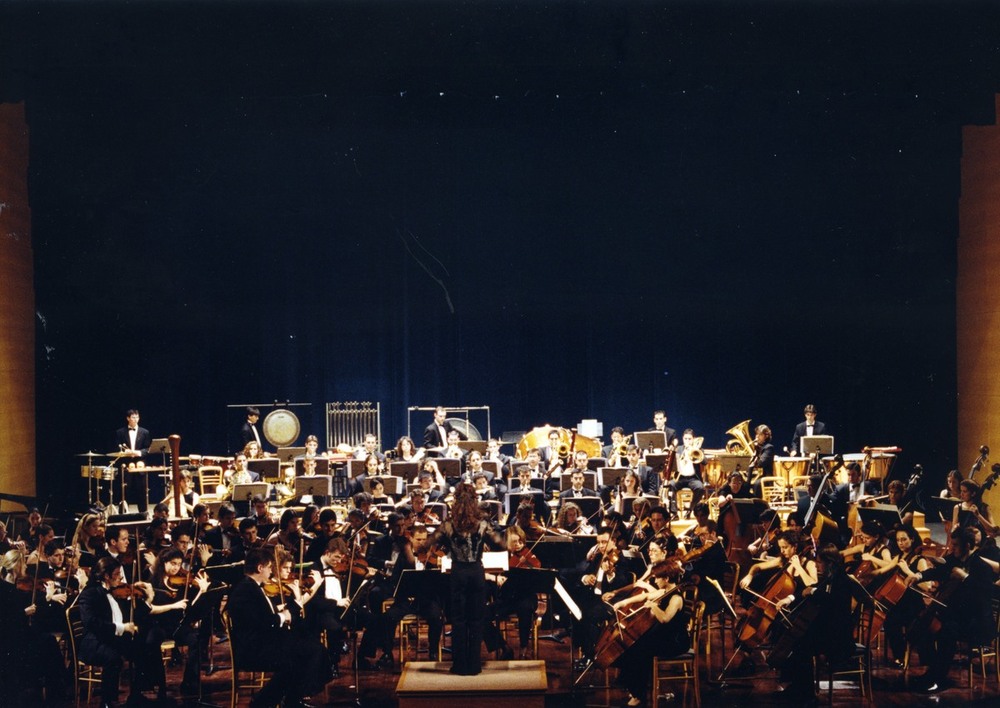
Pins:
<point x="90" y="454"/>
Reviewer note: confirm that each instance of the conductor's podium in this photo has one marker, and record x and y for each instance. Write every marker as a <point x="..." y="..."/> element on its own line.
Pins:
<point x="428" y="684"/>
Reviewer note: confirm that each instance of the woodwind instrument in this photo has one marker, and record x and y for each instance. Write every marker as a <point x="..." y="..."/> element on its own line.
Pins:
<point x="175" y="469"/>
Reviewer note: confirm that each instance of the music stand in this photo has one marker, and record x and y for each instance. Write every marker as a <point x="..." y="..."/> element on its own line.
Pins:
<point x="244" y="493"/>
<point x="406" y="470"/>
<point x="513" y="499"/>
<point x="288" y="454"/>
<point x="942" y="505"/>
<point x="555" y="551"/>
<point x="450" y="469"/>
<point x="492" y="466"/>
<point x="650" y="439"/>
<point x="730" y="463"/>
<point x="355" y="468"/>
<point x="657" y="460"/>
<point x="470" y="445"/>
<point x="525" y="582"/>
<point x="318" y="485"/>
<point x="267" y="468"/>
<point x="421" y="584"/>
<point x="612" y="476"/>
<point x="820" y="444"/>
<point x="885" y="515"/>
<point x="596" y="463"/>
<point x="750" y="509"/>
<point x="322" y="466"/>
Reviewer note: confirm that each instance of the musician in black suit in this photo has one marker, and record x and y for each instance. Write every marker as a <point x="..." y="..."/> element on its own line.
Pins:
<point x="248" y="431"/>
<point x="660" y="423"/>
<point x="225" y="539"/>
<point x="810" y="426"/>
<point x="643" y="472"/>
<point x="132" y="436"/>
<point x="436" y="434"/>
<point x="107" y="636"/>
<point x="577" y="489"/>
<point x="262" y="640"/>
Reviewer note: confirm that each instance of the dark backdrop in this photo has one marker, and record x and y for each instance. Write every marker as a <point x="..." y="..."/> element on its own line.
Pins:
<point x="562" y="211"/>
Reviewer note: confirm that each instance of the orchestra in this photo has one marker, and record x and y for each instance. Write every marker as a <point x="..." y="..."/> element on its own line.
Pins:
<point x="296" y="584"/>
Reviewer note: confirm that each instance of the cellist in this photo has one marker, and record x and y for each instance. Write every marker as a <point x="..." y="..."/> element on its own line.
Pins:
<point x="967" y="586"/>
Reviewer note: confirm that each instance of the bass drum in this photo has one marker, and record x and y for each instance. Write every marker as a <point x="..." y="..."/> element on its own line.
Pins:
<point x="465" y="428"/>
<point x="281" y="427"/>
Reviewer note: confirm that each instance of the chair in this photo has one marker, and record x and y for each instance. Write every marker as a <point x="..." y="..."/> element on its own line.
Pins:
<point x="209" y="480"/>
<point x="773" y="490"/>
<point x="987" y="651"/>
<point x="683" y="668"/>
<point x="257" y="677"/>
<point x="684" y="499"/>
<point x="512" y="621"/>
<point x="82" y="673"/>
<point x="860" y="662"/>
<point x="406" y="624"/>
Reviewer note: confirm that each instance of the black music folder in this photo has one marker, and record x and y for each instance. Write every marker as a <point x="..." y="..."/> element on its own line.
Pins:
<point x="422" y="584"/>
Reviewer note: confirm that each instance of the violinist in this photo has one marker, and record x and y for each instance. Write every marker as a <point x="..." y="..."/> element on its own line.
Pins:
<point x="420" y="512"/>
<point x="766" y="546"/>
<point x="183" y="543"/>
<point x="30" y="535"/>
<point x="287" y="534"/>
<point x="260" y="637"/>
<point x="224" y="539"/>
<point x="572" y="521"/>
<point x="118" y="547"/>
<point x="6" y="544"/>
<point x="357" y="532"/>
<point x="524" y="518"/>
<point x="383" y="555"/>
<point x="706" y="558"/>
<point x="327" y="529"/>
<point x="309" y="522"/>
<point x="30" y="654"/>
<point x="173" y="598"/>
<point x="659" y="529"/>
<point x="156" y="539"/>
<point x="509" y="600"/>
<point x="88" y="539"/>
<point x="53" y="593"/>
<point x="429" y="607"/>
<point x="108" y="631"/>
<point x="609" y="580"/>
<point x="967" y="586"/>
<point x="972" y="510"/>
<point x="260" y="513"/>
<point x="334" y="588"/>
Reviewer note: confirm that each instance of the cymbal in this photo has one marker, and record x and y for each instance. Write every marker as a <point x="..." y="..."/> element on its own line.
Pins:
<point x="123" y="453"/>
<point x="90" y="454"/>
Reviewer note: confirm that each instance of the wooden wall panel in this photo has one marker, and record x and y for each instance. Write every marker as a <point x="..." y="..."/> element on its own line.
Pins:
<point x="978" y="300"/>
<point x="17" y="309"/>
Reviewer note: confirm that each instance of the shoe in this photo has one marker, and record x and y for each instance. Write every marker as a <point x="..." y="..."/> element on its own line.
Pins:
<point x="933" y="688"/>
<point x="633" y="701"/>
<point x="896" y="664"/>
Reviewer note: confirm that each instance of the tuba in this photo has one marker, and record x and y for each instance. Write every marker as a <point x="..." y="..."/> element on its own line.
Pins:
<point x="742" y="442"/>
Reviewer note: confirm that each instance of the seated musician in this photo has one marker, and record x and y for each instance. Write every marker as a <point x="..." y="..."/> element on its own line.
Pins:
<point x="118" y="541"/>
<point x="572" y="521"/>
<point x="736" y="487"/>
<point x="659" y="528"/>
<point x="240" y="474"/>
<point x="336" y="585"/>
<point x="156" y="538"/>
<point x="522" y="485"/>
<point x="31" y="656"/>
<point x="766" y="546"/>
<point x="43" y="534"/>
<point x="688" y="473"/>
<point x="953" y="486"/>
<point x="668" y="637"/>
<point x="908" y="560"/>
<point x="379" y="495"/>
<point x="857" y="489"/>
<point x="610" y="452"/>
<point x="287" y="534"/>
<point x="261" y="640"/>
<point x="189" y="497"/>
<point x="30" y="535"/>
<point x="484" y="490"/>
<point x="260" y="513"/>
<point x="88" y="539"/>
<point x="606" y="579"/>
<point x="52" y="575"/>
<point x="966" y="615"/>
<point x="106" y="633"/>
<point x="328" y="528"/>
<point x="509" y="599"/>
<point x="976" y="511"/>
<point x="368" y="448"/>
<point x="872" y="547"/>
<point x="174" y="610"/>
<point x="183" y="542"/>
<point x="431" y="481"/>
<point x="576" y="488"/>
<point x="421" y="514"/>
<point x="224" y="539"/>
<point x="825" y="626"/>
<point x="524" y="519"/>
<point x="629" y="486"/>
<point x="801" y="570"/>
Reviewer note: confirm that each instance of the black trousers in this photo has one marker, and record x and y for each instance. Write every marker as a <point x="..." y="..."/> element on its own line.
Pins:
<point x="468" y="610"/>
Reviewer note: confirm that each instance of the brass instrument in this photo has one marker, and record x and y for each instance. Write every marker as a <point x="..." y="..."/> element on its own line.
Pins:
<point x="693" y="453"/>
<point x="563" y="450"/>
<point x="742" y="442"/>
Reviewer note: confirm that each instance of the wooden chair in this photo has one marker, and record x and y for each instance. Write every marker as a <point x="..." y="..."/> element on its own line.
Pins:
<point x="82" y="673"/>
<point x="257" y="677"/>
<point x="684" y="498"/>
<point x="408" y="623"/>
<point x="730" y="583"/>
<point x="209" y="479"/>
<point x="773" y="490"/>
<point x="682" y="668"/>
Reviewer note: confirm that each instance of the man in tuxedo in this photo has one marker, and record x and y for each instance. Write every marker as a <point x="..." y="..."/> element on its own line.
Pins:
<point x="137" y="439"/>
<point x="248" y="431"/>
<point x="370" y="447"/>
<point x="634" y="459"/>
<point x="609" y="451"/>
<point x="660" y="423"/>
<point x="436" y="434"/>
<point x="261" y="643"/>
<point x="576" y="486"/>
<point x="810" y="426"/>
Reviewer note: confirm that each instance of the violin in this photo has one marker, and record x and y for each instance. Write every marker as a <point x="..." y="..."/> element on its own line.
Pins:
<point x="522" y="559"/>
<point x="128" y="592"/>
<point x="273" y="589"/>
<point x="357" y="566"/>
